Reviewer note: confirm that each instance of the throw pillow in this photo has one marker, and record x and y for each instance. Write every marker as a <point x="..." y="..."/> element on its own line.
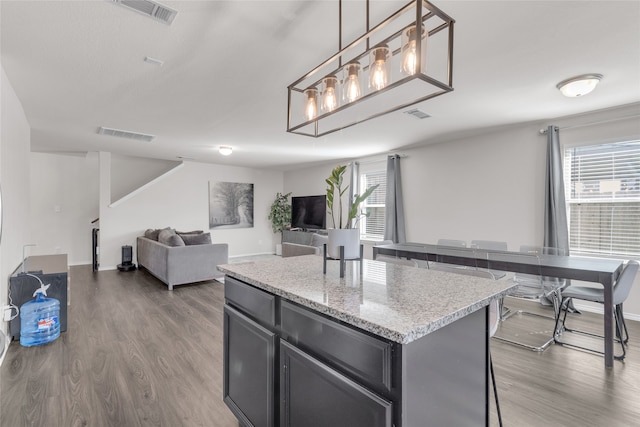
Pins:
<point x="170" y="238"/>
<point x="153" y="233"/>
<point x="190" y="232"/>
<point x="196" y="239"/>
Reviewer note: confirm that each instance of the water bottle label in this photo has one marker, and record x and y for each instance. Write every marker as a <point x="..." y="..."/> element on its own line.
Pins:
<point x="47" y="322"/>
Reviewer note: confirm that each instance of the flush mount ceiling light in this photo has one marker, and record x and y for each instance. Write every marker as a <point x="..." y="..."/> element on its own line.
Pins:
<point x="384" y="70"/>
<point x="579" y="85"/>
<point x="225" y="150"/>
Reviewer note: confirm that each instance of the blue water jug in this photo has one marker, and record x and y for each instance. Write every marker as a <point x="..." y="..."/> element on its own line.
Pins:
<point x="39" y="319"/>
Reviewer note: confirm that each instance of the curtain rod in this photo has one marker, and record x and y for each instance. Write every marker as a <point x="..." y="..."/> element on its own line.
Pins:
<point x="382" y="159"/>
<point x="544" y="131"/>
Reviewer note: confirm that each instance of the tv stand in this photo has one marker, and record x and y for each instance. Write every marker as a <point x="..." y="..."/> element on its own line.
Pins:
<point x="300" y="236"/>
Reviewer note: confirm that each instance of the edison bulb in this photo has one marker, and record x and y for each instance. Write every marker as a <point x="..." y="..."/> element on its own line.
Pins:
<point x="329" y="95"/>
<point x="409" y="59"/>
<point x="409" y="62"/>
<point x="379" y="69"/>
<point x="311" y="103"/>
<point x="351" y="86"/>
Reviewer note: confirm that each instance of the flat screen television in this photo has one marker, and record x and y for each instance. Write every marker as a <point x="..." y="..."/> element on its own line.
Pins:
<point x="309" y="212"/>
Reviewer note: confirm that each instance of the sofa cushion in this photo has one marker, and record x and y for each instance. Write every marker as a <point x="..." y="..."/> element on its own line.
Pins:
<point x="196" y="239"/>
<point x="152" y="234"/>
<point x="189" y="232"/>
<point x="170" y="238"/>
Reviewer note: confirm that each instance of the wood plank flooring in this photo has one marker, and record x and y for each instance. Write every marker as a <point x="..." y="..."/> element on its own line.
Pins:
<point x="136" y="354"/>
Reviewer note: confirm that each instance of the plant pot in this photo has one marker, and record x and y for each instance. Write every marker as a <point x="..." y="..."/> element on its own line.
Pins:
<point x="349" y="238"/>
<point x="278" y="249"/>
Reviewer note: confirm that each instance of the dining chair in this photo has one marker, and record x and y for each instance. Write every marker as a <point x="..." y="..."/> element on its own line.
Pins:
<point x="532" y="287"/>
<point x="621" y="290"/>
<point x="397" y="261"/>
<point x="445" y="251"/>
<point x="492" y="245"/>
<point x="452" y="243"/>
<point x="494" y="319"/>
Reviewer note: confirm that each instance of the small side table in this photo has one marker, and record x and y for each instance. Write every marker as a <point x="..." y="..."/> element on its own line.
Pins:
<point x="342" y="260"/>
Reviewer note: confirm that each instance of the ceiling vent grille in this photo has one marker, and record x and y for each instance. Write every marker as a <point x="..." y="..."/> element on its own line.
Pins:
<point x="125" y="134"/>
<point x="151" y="9"/>
<point x="419" y="114"/>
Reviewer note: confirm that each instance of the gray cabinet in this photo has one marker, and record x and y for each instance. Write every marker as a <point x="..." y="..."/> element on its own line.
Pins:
<point x="291" y="366"/>
<point x="335" y="377"/>
<point x="314" y="395"/>
<point x="249" y="352"/>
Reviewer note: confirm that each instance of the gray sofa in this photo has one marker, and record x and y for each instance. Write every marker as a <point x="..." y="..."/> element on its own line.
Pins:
<point x="177" y="263"/>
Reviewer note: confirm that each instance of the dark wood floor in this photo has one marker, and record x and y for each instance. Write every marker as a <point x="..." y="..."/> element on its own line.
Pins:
<point x="136" y="354"/>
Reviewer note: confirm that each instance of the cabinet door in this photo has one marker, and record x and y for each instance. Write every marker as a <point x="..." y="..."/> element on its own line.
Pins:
<point x="249" y="352"/>
<point x="315" y="395"/>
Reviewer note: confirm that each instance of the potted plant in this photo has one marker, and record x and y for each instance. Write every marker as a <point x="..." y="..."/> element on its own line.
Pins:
<point x="345" y="233"/>
<point x="280" y="216"/>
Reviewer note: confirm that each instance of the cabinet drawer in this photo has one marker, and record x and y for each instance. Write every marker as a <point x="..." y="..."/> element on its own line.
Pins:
<point x="314" y="394"/>
<point x="257" y="304"/>
<point x="366" y="358"/>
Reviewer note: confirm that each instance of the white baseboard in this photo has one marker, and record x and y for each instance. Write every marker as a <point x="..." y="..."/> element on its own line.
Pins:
<point x="254" y="254"/>
<point x="600" y="310"/>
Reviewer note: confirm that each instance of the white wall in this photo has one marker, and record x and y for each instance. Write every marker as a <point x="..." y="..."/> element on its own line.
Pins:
<point x="64" y="202"/>
<point x="15" y="144"/>
<point x="489" y="186"/>
<point x="181" y="200"/>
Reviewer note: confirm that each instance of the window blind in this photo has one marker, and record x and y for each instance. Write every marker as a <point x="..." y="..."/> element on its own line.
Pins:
<point x="372" y="225"/>
<point x="602" y="187"/>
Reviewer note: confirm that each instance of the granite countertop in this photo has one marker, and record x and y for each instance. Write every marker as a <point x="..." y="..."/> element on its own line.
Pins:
<point x="400" y="303"/>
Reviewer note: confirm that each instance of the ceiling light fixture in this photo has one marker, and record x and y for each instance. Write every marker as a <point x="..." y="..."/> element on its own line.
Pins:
<point x="393" y="57"/>
<point x="225" y="150"/>
<point x="579" y="85"/>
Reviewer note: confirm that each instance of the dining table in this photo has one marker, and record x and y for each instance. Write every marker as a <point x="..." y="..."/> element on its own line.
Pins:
<point x="604" y="271"/>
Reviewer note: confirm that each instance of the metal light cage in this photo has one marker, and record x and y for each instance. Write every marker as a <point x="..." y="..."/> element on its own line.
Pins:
<point x="432" y="77"/>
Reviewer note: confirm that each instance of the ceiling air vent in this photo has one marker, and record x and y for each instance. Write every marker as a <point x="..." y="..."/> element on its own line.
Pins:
<point x="151" y="9"/>
<point x="125" y="134"/>
<point x="419" y="114"/>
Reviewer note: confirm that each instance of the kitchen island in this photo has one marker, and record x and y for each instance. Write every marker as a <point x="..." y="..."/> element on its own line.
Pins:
<point x="394" y="346"/>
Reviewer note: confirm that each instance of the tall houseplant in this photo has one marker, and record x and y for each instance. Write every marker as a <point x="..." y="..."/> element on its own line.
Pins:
<point x="344" y="233"/>
<point x="280" y="216"/>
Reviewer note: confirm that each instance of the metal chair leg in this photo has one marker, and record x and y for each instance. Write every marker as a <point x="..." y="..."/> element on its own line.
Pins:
<point x="563" y="328"/>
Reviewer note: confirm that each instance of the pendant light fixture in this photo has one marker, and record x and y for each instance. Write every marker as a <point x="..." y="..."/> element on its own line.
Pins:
<point x="397" y="43"/>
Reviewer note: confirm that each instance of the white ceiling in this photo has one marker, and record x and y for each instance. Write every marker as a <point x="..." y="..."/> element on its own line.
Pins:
<point x="78" y="65"/>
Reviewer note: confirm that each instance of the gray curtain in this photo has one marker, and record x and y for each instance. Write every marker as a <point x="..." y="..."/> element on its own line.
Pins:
<point x="556" y="231"/>
<point x="354" y="185"/>
<point x="394" y="203"/>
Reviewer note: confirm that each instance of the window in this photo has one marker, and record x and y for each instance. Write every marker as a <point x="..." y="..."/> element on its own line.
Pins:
<point x="602" y="187"/>
<point x="372" y="224"/>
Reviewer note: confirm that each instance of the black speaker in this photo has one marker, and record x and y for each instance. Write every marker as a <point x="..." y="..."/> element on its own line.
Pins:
<point x="127" y="259"/>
